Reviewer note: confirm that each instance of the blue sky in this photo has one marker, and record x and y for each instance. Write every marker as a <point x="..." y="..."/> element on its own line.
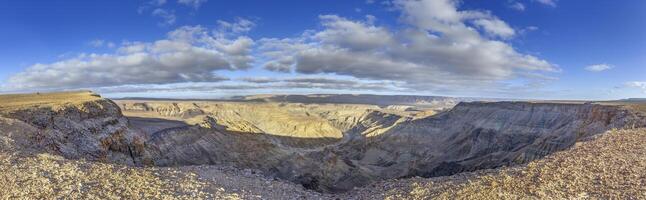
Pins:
<point x="535" y="49"/>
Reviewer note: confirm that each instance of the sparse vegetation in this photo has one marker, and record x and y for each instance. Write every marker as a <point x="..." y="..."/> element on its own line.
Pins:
<point x="45" y="176"/>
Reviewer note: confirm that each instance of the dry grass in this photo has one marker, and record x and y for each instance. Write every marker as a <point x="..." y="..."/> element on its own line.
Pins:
<point x="609" y="167"/>
<point x="45" y="99"/>
<point x="45" y="176"/>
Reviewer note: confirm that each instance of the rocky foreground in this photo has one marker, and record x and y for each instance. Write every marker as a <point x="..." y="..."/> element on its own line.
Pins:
<point x="608" y="167"/>
<point x="81" y="146"/>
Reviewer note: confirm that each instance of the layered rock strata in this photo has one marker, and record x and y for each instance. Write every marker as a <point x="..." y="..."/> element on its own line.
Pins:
<point x="92" y="129"/>
<point x="377" y="145"/>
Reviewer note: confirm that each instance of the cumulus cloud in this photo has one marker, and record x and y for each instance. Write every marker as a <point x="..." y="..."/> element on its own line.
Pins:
<point x="439" y="48"/>
<point x="496" y="27"/>
<point x="188" y="54"/>
<point x="359" y="35"/>
<point x="598" y="67"/>
<point x="436" y="48"/>
<point x="240" y="25"/>
<point x="193" y="3"/>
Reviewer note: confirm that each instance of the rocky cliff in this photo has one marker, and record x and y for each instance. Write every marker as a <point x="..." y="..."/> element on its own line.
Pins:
<point x="475" y="136"/>
<point x="73" y="125"/>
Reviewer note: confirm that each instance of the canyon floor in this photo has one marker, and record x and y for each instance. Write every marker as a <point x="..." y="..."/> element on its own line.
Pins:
<point x="81" y="146"/>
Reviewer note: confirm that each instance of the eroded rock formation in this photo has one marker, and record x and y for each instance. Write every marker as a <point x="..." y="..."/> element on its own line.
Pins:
<point x="92" y="129"/>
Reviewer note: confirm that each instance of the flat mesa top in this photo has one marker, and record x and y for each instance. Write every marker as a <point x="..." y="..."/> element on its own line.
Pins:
<point x="45" y="99"/>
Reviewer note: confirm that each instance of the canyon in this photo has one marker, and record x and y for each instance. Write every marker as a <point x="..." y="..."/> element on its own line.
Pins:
<point x="332" y="145"/>
<point x="334" y="148"/>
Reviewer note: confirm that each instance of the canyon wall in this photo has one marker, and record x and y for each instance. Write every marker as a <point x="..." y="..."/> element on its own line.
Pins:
<point x="377" y="145"/>
<point x="474" y="136"/>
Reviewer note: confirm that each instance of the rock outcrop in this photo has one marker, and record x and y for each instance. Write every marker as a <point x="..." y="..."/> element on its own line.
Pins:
<point x="91" y="128"/>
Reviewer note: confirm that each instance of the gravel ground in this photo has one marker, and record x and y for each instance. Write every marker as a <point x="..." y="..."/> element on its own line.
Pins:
<point x="250" y="184"/>
<point x="44" y="176"/>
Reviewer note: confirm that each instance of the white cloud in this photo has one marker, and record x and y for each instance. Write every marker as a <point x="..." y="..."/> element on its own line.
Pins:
<point x="551" y="3"/>
<point x="439" y="48"/>
<point x="168" y="16"/>
<point x="102" y="43"/>
<point x="517" y="6"/>
<point x="637" y="84"/>
<point x="193" y="3"/>
<point x="496" y="27"/>
<point x="436" y="48"/>
<point x="188" y="54"/>
<point x="598" y="67"/>
<point x="240" y="25"/>
<point x="358" y="35"/>
<point x="528" y="29"/>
